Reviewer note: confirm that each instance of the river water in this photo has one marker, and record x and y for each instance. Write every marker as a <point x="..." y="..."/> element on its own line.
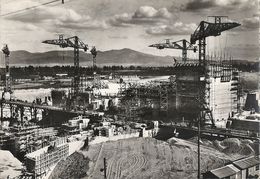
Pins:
<point x="31" y="94"/>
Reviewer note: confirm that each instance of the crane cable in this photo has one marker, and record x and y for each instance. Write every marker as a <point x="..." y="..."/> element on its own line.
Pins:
<point x="226" y="41"/>
<point x="28" y="8"/>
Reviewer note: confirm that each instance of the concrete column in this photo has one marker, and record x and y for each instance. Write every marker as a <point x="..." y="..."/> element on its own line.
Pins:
<point x="21" y="114"/>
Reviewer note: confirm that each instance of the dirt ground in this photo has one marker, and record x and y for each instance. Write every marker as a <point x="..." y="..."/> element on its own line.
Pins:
<point x="143" y="158"/>
<point x="74" y="167"/>
<point x="9" y="165"/>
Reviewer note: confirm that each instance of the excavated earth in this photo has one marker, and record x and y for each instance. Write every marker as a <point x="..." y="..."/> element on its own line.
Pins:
<point x="140" y="158"/>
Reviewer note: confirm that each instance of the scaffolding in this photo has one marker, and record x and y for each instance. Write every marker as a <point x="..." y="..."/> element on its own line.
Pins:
<point x="40" y="161"/>
<point x="154" y="94"/>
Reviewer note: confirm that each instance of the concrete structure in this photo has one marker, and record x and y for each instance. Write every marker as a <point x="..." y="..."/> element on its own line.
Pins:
<point x="80" y="122"/>
<point x="252" y="126"/>
<point x="219" y="90"/>
<point x="221" y="102"/>
<point x="46" y="132"/>
<point x="148" y="132"/>
<point x="40" y="161"/>
<point x="109" y="132"/>
<point x="180" y="96"/>
<point x="105" y="130"/>
<point x="76" y="125"/>
<point x="251" y="103"/>
<point x="58" y="97"/>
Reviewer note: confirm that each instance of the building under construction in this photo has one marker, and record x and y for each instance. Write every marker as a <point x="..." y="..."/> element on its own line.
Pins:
<point x="40" y="161"/>
<point x="177" y="98"/>
<point x="208" y="84"/>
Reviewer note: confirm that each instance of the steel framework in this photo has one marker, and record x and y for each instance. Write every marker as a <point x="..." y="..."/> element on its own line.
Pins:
<point x="206" y="29"/>
<point x="183" y="45"/>
<point x="75" y="43"/>
<point x="144" y="95"/>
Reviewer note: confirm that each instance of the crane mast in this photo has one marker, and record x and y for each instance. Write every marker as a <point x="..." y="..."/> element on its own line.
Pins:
<point x="7" y="87"/>
<point x="206" y="29"/>
<point x="183" y="45"/>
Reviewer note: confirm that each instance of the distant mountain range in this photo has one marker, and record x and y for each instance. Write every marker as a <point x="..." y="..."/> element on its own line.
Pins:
<point x="112" y="57"/>
<point x="125" y="57"/>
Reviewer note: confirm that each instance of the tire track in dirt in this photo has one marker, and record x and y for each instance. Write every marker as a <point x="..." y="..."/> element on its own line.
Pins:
<point x="133" y="160"/>
<point x="118" y="168"/>
<point x="114" y="165"/>
<point x="95" y="166"/>
<point x="111" y="162"/>
<point x="140" y="163"/>
<point x="110" y="165"/>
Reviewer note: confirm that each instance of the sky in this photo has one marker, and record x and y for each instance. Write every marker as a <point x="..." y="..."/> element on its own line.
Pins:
<point x="134" y="24"/>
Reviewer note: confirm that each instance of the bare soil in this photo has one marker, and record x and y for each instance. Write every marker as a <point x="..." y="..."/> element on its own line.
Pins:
<point x="142" y="158"/>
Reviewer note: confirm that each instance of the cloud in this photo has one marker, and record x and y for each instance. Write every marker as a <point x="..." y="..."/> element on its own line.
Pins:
<point x="150" y="12"/>
<point x="143" y="15"/>
<point x="177" y="28"/>
<point x="31" y="27"/>
<point x="118" y="37"/>
<point x="222" y="5"/>
<point x="91" y="24"/>
<point x="251" y="23"/>
<point x="58" y="17"/>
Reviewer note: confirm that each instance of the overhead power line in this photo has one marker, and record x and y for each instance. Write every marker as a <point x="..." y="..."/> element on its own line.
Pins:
<point x="28" y="8"/>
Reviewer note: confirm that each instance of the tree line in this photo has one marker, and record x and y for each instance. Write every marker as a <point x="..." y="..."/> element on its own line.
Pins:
<point x="27" y="71"/>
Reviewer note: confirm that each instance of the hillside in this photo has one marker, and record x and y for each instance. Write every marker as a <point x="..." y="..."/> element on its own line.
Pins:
<point x="111" y="57"/>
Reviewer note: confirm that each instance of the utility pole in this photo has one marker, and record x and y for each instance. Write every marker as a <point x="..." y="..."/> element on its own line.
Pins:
<point x="104" y="169"/>
<point x="199" y="119"/>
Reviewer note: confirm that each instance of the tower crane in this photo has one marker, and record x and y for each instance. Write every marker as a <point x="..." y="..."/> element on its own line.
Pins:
<point x="207" y="29"/>
<point x="183" y="45"/>
<point x="75" y="43"/>
<point x="93" y="51"/>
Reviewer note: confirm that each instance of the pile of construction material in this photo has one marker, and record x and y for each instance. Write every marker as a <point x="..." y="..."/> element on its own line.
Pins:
<point x="234" y="147"/>
<point x="75" y="166"/>
<point x="9" y="165"/>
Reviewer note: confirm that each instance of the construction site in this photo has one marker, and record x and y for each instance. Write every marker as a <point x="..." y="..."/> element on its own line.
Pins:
<point x="119" y="126"/>
<point x="209" y="83"/>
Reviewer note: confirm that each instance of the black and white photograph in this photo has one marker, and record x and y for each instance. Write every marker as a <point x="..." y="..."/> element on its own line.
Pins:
<point x="129" y="89"/>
